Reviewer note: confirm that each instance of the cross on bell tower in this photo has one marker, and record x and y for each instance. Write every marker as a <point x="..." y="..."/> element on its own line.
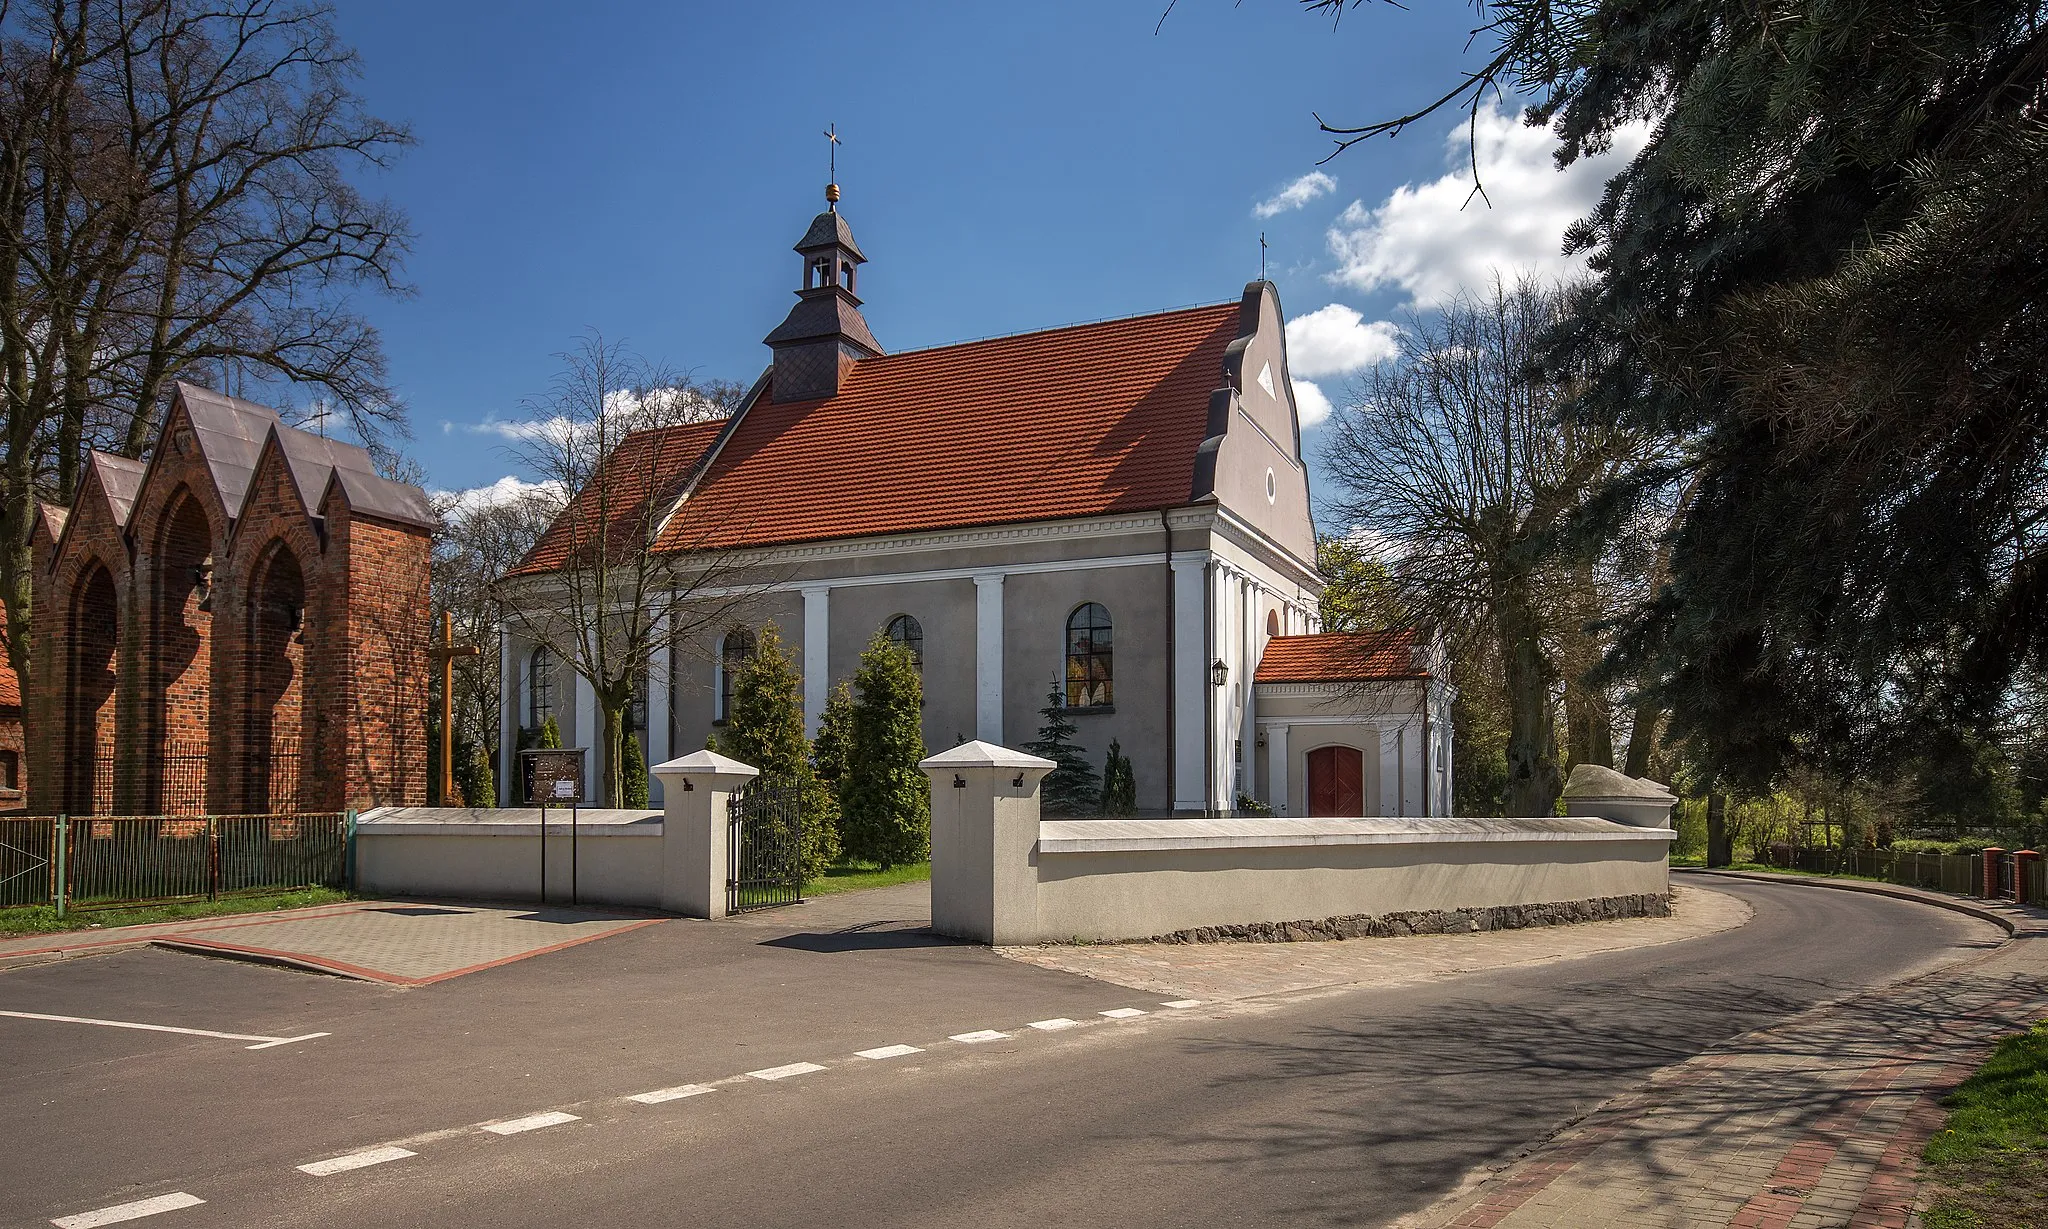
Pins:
<point x="824" y="334"/>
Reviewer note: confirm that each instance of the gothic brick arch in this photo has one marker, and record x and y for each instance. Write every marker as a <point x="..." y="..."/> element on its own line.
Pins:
<point x="274" y="684"/>
<point x="91" y="652"/>
<point x="176" y="701"/>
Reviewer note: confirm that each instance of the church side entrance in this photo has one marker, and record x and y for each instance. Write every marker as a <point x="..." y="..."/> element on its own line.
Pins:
<point x="1336" y="782"/>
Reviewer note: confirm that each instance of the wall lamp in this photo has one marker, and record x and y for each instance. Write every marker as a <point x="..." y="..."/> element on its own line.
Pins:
<point x="1219" y="672"/>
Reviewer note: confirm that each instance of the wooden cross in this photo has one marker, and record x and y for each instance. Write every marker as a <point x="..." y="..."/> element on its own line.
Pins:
<point x="446" y="655"/>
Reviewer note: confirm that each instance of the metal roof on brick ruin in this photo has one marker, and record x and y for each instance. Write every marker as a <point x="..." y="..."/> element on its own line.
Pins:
<point x="231" y="433"/>
<point x="121" y="479"/>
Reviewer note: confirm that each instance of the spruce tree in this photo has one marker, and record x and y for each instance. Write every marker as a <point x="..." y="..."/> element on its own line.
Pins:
<point x="1119" y="782"/>
<point x="884" y="798"/>
<point x="829" y="748"/>
<point x="765" y="729"/>
<point x="550" y="736"/>
<point x="1070" y="788"/>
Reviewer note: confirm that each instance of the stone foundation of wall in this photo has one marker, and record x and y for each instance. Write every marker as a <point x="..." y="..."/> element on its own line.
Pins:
<point x="1431" y="922"/>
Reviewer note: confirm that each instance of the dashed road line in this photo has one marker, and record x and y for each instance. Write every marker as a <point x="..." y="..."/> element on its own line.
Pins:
<point x="1182" y="1004"/>
<point x="677" y="1093"/>
<point x="1055" y="1024"/>
<point x="1120" y="1013"/>
<point x="895" y="1051"/>
<point x="128" y="1211"/>
<point x="532" y="1122"/>
<point x="786" y="1070"/>
<point x="266" y="1041"/>
<point x="979" y="1036"/>
<point x="356" y="1160"/>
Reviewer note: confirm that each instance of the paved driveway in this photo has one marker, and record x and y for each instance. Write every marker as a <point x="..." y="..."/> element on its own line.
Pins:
<point x="400" y="943"/>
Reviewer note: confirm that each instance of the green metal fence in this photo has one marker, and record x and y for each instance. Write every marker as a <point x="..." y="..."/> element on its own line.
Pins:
<point x="100" y="861"/>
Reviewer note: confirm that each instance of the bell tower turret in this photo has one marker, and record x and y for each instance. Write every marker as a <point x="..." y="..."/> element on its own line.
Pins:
<point x="824" y="333"/>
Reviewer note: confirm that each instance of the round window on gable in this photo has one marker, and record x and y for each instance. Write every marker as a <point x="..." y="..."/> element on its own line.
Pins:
<point x="1272" y="488"/>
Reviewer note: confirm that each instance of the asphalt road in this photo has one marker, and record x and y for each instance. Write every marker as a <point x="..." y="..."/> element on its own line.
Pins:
<point x="1321" y="1108"/>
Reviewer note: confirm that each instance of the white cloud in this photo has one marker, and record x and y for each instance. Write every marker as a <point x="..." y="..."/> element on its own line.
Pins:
<point x="1336" y="340"/>
<point x="1310" y="405"/>
<point x="506" y="490"/>
<point x="1295" y="195"/>
<point x="1428" y="241"/>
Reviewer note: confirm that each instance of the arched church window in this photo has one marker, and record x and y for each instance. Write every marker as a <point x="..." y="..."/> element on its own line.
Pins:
<point x="907" y="633"/>
<point x="1090" y="667"/>
<point x="1272" y="623"/>
<point x="540" y="690"/>
<point x="733" y="653"/>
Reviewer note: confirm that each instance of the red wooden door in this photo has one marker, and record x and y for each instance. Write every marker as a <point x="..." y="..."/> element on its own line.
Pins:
<point x="1336" y="782"/>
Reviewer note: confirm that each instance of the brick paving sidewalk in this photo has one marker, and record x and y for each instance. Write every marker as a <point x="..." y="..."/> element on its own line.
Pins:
<point x="1817" y="1120"/>
<point x="409" y="943"/>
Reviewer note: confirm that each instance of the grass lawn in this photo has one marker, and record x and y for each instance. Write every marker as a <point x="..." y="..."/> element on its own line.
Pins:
<point x="1989" y="1163"/>
<point x="850" y="876"/>
<point x="43" y="919"/>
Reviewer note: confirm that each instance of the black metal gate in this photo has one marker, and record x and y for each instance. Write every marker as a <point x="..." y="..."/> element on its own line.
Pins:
<point x="764" y="848"/>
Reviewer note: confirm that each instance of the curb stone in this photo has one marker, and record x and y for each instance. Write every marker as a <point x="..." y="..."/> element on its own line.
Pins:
<point x="1954" y="904"/>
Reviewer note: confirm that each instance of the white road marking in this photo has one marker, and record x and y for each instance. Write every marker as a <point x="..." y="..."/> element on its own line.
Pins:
<point x="677" y="1093"/>
<point x="532" y="1122"/>
<point x="128" y="1211"/>
<point x="1120" y="1013"/>
<point x="356" y="1160"/>
<point x="1055" y="1024"/>
<point x="785" y="1071"/>
<point x="896" y="1051"/>
<point x="285" y="1041"/>
<point x="1178" y="1004"/>
<point x="976" y="1038"/>
<point x="163" y="1028"/>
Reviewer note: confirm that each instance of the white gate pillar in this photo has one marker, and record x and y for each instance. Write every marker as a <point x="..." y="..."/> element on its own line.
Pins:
<point x="697" y="789"/>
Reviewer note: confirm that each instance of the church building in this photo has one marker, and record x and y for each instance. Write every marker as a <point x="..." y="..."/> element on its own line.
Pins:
<point x="1116" y="511"/>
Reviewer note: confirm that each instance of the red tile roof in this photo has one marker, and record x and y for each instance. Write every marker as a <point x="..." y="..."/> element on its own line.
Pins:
<point x="1080" y="421"/>
<point x="651" y="468"/>
<point x="10" y="686"/>
<point x="1340" y="657"/>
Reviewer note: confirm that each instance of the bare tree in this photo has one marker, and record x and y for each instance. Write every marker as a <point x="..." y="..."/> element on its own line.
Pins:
<point x="1453" y="455"/>
<point x="175" y="201"/>
<point x="616" y="579"/>
<point x="484" y="535"/>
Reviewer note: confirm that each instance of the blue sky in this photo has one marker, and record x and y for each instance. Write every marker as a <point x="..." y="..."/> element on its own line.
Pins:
<point x="642" y="169"/>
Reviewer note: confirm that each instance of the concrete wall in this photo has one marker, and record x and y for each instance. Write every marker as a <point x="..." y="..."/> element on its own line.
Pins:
<point x="495" y="855"/>
<point x="1000" y="875"/>
<point x="1096" y="887"/>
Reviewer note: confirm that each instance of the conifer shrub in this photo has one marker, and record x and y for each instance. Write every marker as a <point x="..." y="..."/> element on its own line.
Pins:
<point x="475" y="778"/>
<point x="765" y="728"/>
<point x="632" y="772"/>
<point x="1071" y="787"/>
<point x="829" y="749"/>
<point x="1119" y="782"/>
<point x="885" y="800"/>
